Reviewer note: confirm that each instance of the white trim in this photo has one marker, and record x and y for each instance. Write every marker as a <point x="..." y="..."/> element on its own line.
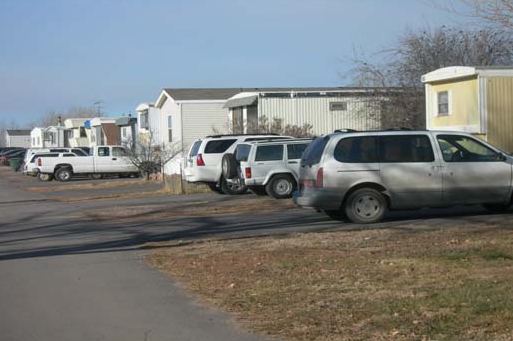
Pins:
<point x="482" y="105"/>
<point x="201" y="101"/>
<point x="159" y="105"/>
<point x="495" y="72"/>
<point x="455" y="72"/>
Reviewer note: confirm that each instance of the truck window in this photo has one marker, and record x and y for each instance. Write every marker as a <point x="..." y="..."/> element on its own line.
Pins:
<point x="79" y="152"/>
<point x="356" y="150"/>
<point x="295" y="151"/>
<point x="103" y="151"/>
<point x="269" y="153"/>
<point x="118" y="151"/>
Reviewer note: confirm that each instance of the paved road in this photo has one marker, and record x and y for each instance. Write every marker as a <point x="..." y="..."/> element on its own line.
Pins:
<point x="68" y="277"/>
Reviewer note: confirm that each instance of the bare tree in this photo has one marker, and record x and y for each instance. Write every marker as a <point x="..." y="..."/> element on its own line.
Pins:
<point x="150" y="157"/>
<point x="400" y="67"/>
<point x="496" y="12"/>
<point x="51" y="118"/>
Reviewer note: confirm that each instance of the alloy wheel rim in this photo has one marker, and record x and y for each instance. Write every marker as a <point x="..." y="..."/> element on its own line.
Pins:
<point x="367" y="206"/>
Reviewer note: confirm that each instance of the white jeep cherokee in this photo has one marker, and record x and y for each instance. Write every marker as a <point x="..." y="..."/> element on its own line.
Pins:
<point x="203" y="162"/>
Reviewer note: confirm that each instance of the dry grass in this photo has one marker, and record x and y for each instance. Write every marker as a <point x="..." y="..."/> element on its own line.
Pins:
<point x="94" y="185"/>
<point x="402" y="283"/>
<point x="209" y="207"/>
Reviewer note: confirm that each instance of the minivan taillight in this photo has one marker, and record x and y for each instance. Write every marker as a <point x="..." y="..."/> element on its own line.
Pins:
<point x="199" y="160"/>
<point x="39" y="162"/>
<point x="320" y="178"/>
<point x="248" y="172"/>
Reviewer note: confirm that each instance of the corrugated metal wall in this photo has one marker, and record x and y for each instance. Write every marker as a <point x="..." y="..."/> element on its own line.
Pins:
<point x="499" y="100"/>
<point x="200" y="120"/>
<point x="362" y="113"/>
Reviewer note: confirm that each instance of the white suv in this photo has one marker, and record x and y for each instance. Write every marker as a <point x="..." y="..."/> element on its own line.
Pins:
<point x="203" y="163"/>
<point x="271" y="167"/>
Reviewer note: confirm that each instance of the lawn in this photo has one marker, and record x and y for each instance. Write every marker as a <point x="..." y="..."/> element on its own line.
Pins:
<point x="401" y="283"/>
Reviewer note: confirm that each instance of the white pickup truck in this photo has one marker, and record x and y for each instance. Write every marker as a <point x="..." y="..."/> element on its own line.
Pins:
<point x="101" y="160"/>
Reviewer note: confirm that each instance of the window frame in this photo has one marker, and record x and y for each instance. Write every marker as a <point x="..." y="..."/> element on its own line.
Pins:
<point x="449" y="102"/>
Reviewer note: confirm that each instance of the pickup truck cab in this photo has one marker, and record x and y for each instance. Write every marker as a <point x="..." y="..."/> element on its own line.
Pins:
<point x="101" y="160"/>
<point x="361" y="175"/>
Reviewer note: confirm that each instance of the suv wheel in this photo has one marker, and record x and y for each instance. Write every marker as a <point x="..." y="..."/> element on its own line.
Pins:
<point x="365" y="206"/>
<point x="229" y="166"/>
<point x="234" y="187"/>
<point x="44" y="177"/>
<point x="281" y="186"/>
<point x="63" y="174"/>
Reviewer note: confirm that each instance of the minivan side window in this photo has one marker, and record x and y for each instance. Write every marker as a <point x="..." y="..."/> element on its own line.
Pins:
<point x="103" y="151"/>
<point x="269" y="153"/>
<point x="356" y="150"/>
<point x="218" y="146"/>
<point x="295" y="151"/>
<point x="458" y="148"/>
<point x="313" y="153"/>
<point x="405" y="148"/>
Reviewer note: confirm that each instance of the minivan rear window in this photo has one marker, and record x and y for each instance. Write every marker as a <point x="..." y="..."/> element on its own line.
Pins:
<point x="195" y="148"/>
<point x="313" y="153"/>
<point x="218" y="146"/>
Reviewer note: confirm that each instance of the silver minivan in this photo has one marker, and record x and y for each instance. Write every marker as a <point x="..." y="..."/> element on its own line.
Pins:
<point x="361" y="175"/>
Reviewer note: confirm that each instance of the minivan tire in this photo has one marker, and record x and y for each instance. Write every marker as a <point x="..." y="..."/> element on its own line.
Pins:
<point x="365" y="206"/>
<point x="230" y="190"/>
<point x="281" y="186"/>
<point x="44" y="177"/>
<point x="63" y="174"/>
<point x="229" y="166"/>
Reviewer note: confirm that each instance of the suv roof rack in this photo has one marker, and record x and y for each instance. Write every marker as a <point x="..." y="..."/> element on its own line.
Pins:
<point x="345" y="131"/>
<point x="377" y="130"/>
<point x="291" y="139"/>
<point x="223" y="135"/>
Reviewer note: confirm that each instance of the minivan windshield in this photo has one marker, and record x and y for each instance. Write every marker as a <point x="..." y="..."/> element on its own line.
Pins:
<point x="313" y="153"/>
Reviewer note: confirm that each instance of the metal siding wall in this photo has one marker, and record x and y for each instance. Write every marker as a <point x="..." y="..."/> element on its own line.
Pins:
<point x="316" y="111"/>
<point x="499" y="92"/>
<point x="199" y="119"/>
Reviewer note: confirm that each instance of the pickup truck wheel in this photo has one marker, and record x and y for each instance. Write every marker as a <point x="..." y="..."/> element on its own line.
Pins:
<point x="365" y="206"/>
<point x="233" y="188"/>
<point x="63" y="174"/>
<point x="229" y="166"/>
<point x="95" y="176"/>
<point x="44" y="177"/>
<point x="258" y="190"/>
<point x="497" y="207"/>
<point x="281" y="186"/>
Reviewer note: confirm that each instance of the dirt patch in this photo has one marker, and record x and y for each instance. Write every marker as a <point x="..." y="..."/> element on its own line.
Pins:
<point x="401" y="283"/>
<point x="191" y="209"/>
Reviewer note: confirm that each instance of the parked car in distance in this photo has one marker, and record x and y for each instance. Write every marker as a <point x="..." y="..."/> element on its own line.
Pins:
<point x="14" y="153"/>
<point x="104" y="160"/>
<point x="361" y="175"/>
<point x="29" y="166"/>
<point x="268" y="167"/>
<point x="203" y="162"/>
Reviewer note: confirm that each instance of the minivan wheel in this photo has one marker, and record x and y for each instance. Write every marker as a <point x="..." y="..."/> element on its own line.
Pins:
<point x="233" y="188"/>
<point x="63" y="174"/>
<point x="365" y="206"/>
<point x="44" y="177"/>
<point x="281" y="186"/>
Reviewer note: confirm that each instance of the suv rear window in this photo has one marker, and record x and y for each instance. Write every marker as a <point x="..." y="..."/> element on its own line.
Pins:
<point x="195" y="148"/>
<point x="405" y="148"/>
<point x="295" y="151"/>
<point x="242" y="152"/>
<point x="313" y="153"/>
<point x="218" y="146"/>
<point x="356" y="150"/>
<point x="269" y="153"/>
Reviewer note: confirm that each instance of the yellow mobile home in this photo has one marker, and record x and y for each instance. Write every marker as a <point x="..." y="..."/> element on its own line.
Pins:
<point x="477" y="100"/>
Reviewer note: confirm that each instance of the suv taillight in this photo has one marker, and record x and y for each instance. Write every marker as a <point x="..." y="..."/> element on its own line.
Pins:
<point x="248" y="172"/>
<point x="39" y="162"/>
<point x="199" y="160"/>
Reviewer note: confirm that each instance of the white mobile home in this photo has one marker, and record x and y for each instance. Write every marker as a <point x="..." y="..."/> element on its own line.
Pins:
<point x="17" y="138"/>
<point x="104" y="131"/>
<point x="77" y="134"/>
<point x="50" y="137"/>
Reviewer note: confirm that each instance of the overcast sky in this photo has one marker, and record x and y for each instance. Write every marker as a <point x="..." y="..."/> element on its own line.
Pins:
<point x="55" y="54"/>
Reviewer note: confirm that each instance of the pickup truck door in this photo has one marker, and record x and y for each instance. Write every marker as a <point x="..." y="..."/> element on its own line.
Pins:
<point x="104" y="161"/>
<point x="473" y="173"/>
